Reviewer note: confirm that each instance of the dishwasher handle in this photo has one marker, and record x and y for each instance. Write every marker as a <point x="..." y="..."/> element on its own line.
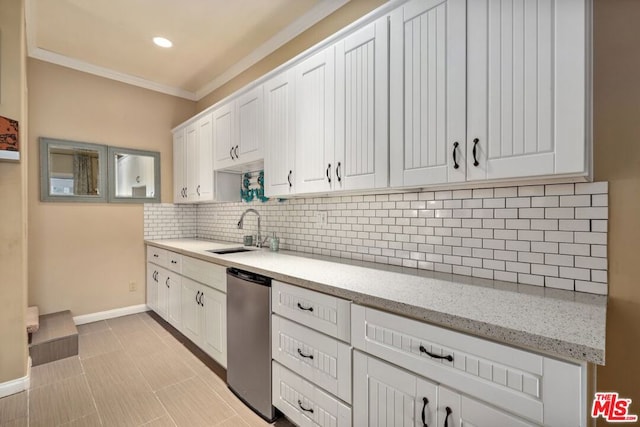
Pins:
<point x="249" y="276"/>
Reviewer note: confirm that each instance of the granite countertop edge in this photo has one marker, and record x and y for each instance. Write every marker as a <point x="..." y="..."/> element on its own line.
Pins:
<point x="559" y="347"/>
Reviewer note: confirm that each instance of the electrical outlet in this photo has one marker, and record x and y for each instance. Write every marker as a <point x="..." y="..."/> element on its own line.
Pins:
<point x="132" y="286"/>
<point x="321" y="217"/>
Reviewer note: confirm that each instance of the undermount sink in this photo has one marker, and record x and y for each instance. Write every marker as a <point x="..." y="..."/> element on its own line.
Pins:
<point x="228" y="251"/>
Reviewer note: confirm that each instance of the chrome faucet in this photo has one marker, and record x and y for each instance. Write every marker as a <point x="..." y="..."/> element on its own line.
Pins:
<point x="259" y="241"/>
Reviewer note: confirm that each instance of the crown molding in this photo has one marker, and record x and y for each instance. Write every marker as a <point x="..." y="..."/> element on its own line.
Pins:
<point x="323" y="9"/>
<point x="297" y="27"/>
<point x="65" y="61"/>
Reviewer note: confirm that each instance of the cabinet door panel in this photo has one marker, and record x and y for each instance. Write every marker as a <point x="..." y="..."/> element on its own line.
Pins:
<point x="361" y="109"/>
<point x="250" y="132"/>
<point x="162" y="307"/>
<point x="191" y="138"/>
<point x="204" y="184"/>
<point x="174" y="304"/>
<point x="214" y="324"/>
<point x="384" y="395"/>
<point x="526" y="85"/>
<point x="315" y="85"/>
<point x="280" y="135"/>
<point x="223" y="135"/>
<point x="191" y="313"/>
<point x="152" y="287"/>
<point x="427" y="87"/>
<point x="465" y="412"/>
<point x="179" y="182"/>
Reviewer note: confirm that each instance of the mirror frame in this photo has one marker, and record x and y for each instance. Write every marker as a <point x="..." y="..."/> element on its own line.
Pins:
<point x="45" y="196"/>
<point x="111" y="165"/>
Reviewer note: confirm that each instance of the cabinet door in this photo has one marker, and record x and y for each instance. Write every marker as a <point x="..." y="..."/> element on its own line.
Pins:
<point x="174" y="304"/>
<point x="463" y="411"/>
<point x="223" y="136"/>
<point x="204" y="184"/>
<point x="152" y="287"/>
<point x="162" y="307"/>
<point x="315" y="103"/>
<point x="191" y="312"/>
<point x="384" y="395"/>
<point x="250" y="132"/>
<point x="214" y="324"/>
<point x="179" y="182"/>
<point x="427" y="92"/>
<point x="280" y="127"/>
<point x="362" y="141"/>
<point x="526" y="88"/>
<point x="191" y="165"/>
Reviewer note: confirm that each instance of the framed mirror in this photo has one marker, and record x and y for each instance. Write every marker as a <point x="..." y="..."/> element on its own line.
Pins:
<point x="134" y="175"/>
<point x="72" y="171"/>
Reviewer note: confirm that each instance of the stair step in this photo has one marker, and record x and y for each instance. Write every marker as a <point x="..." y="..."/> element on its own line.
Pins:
<point x="57" y="338"/>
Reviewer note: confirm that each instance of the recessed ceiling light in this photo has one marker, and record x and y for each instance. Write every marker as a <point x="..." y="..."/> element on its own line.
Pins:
<point x="162" y="42"/>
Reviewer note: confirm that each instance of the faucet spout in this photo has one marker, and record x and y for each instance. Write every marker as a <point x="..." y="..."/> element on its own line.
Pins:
<point x="241" y="224"/>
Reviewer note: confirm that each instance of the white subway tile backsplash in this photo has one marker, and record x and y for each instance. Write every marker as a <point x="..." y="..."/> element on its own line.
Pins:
<point x="526" y="234"/>
<point x="591" y="287"/>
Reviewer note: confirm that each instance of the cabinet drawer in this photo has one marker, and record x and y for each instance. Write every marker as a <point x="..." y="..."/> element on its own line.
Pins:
<point x="305" y="404"/>
<point x="321" y="312"/>
<point x="157" y="256"/>
<point x="320" y="359"/>
<point x="174" y="262"/>
<point x="212" y="275"/>
<point x="531" y="385"/>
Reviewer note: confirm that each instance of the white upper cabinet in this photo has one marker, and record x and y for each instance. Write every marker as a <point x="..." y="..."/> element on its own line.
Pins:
<point x="239" y="131"/>
<point x="526" y="88"/>
<point x="315" y="130"/>
<point x="280" y="149"/>
<point x="427" y="92"/>
<point x="362" y="143"/>
<point x="191" y="143"/>
<point x="179" y="169"/>
<point x="204" y="184"/>
<point x="224" y="135"/>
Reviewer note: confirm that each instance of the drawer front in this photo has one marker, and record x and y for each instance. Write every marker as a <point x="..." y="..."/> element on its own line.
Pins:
<point x="507" y="377"/>
<point x="324" y="313"/>
<point x="305" y="404"/>
<point x="318" y="358"/>
<point x="212" y="275"/>
<point x="174" y="262"/>
<point x="157" y="256"/>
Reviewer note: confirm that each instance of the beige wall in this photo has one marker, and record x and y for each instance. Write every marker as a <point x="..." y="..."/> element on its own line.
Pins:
<point x="320" y="31"/>
<point x="13" y="239"/>
<point x="617" y="160"/>
<point x="83" y="256"/>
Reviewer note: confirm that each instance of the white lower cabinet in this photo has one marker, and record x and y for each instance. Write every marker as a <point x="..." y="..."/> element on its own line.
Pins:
<point x="304" y="403"/>
<point x="513" y="387"/>
<point x="191" y="296"/>
<point x="204" y="318"/>
<point x="385" y="395"/>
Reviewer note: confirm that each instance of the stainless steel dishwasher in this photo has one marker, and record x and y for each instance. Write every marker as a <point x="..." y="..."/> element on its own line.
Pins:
<point x="249" y="340"/>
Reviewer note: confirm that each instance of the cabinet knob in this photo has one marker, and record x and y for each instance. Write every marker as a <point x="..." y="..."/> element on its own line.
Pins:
<point x="329" y="170"/>
<point x="235" y="151"/>
<point x="301" y="307"/>
<point x="425" y="401"/>
<point x="338" y="172"/>
<point x="306" y="356"/>
<point x="198" y="190"/>
<point x="446" y="419"/>
<point x="231" y="153"/>
<point x="166" y="282"/>
<point x="289" y="179"/>
<point x="303" y="408"/>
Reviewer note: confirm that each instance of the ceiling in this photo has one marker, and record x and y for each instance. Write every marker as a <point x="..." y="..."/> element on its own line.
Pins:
<point x="213" y="40"/>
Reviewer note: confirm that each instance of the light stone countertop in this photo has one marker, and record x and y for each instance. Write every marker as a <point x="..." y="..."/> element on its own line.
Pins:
<point x="560" y="323"/>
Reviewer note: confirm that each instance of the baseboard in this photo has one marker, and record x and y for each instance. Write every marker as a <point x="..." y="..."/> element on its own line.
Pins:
<point x="110" y="314"/>
<point x="16" y="386"/>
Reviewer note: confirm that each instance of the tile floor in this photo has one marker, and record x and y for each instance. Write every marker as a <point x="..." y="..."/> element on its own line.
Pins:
<point x="130" y="371"/>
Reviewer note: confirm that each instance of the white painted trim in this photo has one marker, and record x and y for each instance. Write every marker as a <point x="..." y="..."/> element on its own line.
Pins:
<point x="303" y="23"/>
<point x="8" y="388"/>
<point x="65" y="61"/>
<point x="110" y="314"/>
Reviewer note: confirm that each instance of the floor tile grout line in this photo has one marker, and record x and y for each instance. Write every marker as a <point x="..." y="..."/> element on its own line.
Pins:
<point x="93" y="397"/>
